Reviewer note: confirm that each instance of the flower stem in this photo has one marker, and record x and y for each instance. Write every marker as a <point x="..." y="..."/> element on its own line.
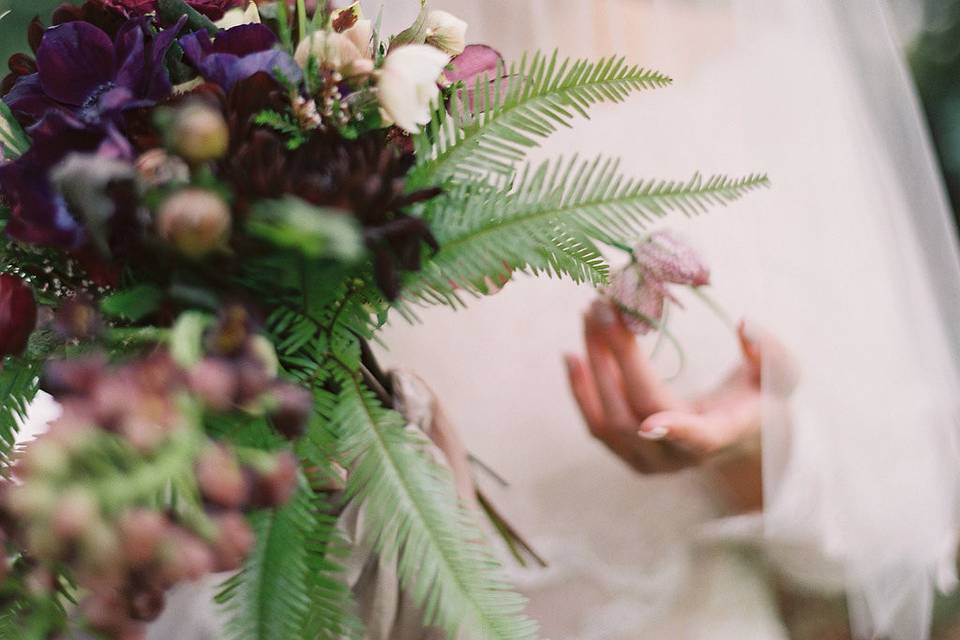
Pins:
<point x="714" y="306"/>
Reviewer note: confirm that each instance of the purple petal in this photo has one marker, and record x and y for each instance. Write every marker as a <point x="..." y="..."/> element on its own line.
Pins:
<point x="28" y="99"/>
<point x="141" y="57"/>
<point x="74" y="59"/>
<point x="665" y="257"/>
<point x="273" y="62"/>
<point x="639" y="299"/>
<point x="130" y="47"/>
<point x="476" y="60"/>
<point x="244" y="39"/>
<point x="37" y="215"/>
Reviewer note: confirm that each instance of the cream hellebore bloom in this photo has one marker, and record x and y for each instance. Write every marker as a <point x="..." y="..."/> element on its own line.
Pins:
<point x="408" y="84"/>
<point x="339" y="49"/>
<point x="237" y="16"/>
<point x="329" y="48"/>
<point x="446" y="32"/>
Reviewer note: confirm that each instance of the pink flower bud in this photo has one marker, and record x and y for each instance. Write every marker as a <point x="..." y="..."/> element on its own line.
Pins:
<point x="141" y="531"/>
<point x="199" y="133"/>
<point x="195" y="221"/>
<point x="76" y="511"/>
<point x="234" y="540"/>
<point x="275" y="483"/>
<point x="290" y="409"/>
<point x="215" y="382"/>
<point x="220" y="478"/>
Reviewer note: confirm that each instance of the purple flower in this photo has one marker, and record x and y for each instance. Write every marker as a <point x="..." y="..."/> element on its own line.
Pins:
<point x="80" y="70"/>
<point x="38" y="213"/>
<point x="237" y="54"/>
<point x="640" y="289"/>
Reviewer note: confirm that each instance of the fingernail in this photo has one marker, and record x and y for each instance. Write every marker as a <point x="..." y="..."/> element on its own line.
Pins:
<point x="603" y="313"/>
<point x="658" y="432"/>
<point x="570" y="361"/>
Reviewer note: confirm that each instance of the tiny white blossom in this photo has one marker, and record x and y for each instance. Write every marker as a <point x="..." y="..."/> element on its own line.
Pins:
<point x="408" y="84"/>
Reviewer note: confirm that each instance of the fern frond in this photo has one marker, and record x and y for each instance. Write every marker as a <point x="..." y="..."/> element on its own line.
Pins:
<point x="493" y="130"/>
<point x="441" y="562"/>
<point x="277" y="594"/>
<point x="480" y="233"/>
<point x="18" y="387"/>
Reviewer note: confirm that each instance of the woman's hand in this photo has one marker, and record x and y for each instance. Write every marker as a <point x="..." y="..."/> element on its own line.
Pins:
<point x="633" y="412"/>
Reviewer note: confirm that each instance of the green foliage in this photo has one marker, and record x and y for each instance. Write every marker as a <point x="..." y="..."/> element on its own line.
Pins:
<point x="282" y="123"/>
<point x="314" y="232"/>
<point x="442" y="564"/>
<point x="132" y="304"/>
<point x="492" y="131"/>
<point x="18" y="387"/>
<point x="287" y="586"/>
<point x="544" y="222"/>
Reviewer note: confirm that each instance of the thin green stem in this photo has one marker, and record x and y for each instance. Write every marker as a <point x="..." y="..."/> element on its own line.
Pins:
<point x="301" y="20"/>
<point x="714" y="306"/>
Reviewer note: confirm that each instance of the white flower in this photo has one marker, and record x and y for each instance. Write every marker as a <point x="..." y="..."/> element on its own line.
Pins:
<point x="329" y="48"/>
<point x="408" y="84"/>
<point x="446" y="32"/>
<point x="361" y="35"/>
<point x="237" y="16"/>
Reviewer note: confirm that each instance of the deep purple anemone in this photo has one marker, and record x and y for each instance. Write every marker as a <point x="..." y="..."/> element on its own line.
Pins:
<point x="82" y="72"/>
<point x="38" y="214"/>
<point x="237" y="54"/>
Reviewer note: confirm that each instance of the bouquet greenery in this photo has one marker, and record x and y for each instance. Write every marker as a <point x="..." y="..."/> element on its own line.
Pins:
<point x="209" y="211"/>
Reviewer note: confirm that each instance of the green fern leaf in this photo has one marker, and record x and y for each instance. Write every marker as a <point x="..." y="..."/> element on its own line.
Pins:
<point x="480" y="233"/>
<point x="505" y="118"/>
<point x="447" y="572"/>
<point x="18" y="387"/>
<point x="274" y="595"/>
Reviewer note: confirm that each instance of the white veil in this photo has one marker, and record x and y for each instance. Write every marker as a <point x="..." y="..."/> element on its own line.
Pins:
<point x="860" y="278"/>
<point x="850" y="258"/>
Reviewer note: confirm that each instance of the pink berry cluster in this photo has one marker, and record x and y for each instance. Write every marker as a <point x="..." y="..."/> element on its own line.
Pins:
<point x="91" y="499"/>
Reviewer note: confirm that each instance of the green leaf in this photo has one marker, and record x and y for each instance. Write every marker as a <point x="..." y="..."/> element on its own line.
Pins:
<point x="186" y="338"/>
<point x="18" y="387"/>
<point x="493" y="131"/>
<point x="315" y="232"/>
<point x="13" y="139"/>
<point x="133" y="304"/>
<point x="442" y="563"/>
<point x="546" y="220"/>
<point x="288" y="579"/>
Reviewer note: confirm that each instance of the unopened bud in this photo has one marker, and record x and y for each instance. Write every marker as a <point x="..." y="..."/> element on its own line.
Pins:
<point x="290" y="409"/>
<point x="276" y="482"/>
<point x="141" y="531"/>
<point x="215" y="382"/>
<point x="234" y="540"/>
<point x="220" y="478"/>
<point x="146" y="604"/>
<point x="194" y="221"/>
<point x="76" y="511"/>
<point x="199" y="133"/>
<point x="156" y="167"/>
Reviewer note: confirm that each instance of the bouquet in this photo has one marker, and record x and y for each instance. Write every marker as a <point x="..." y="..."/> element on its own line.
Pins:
<point x="209" y="210"/>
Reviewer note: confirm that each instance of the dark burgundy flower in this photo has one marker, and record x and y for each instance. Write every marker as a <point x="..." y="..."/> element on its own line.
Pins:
<point x="365" y="177"/>
<point x="81" y="70"/>
<point x="18" y="315"/>
<point x="213" y="9"/>
<point x="238" y="53"/>
<point x="38" y="213"/>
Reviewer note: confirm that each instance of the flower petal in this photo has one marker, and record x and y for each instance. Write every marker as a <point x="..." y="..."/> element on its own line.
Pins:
<point x="27" y="98"/>
<point x="476" y="60"/>
<point x="244" y="39"/>
<point x="74" y="59"/>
